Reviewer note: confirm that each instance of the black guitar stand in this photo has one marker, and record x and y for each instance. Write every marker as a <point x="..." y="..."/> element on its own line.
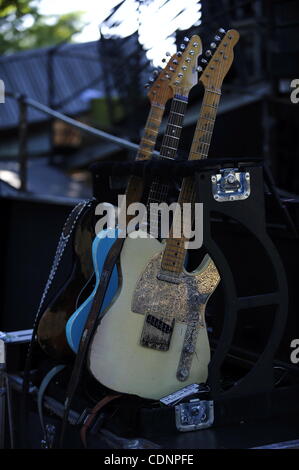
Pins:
<point x="232" y="190"/>
<point x="232" y="193"/>
<point x="236" y="190"/>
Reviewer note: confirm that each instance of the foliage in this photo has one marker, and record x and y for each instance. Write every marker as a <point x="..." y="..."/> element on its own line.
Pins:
<point x="23" y="27"/>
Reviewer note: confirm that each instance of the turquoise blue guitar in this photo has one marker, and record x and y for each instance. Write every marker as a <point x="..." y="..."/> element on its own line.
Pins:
<point x="75" y="325"/>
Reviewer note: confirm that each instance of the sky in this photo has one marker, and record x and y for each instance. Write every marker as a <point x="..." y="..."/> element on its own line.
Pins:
<point x="155" y="21"/>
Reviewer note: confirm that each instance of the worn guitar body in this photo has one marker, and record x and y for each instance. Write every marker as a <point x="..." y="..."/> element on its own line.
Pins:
<point x="75" y="325"/>
<point x="51" y="330"/>
<point x="129" y="355"/>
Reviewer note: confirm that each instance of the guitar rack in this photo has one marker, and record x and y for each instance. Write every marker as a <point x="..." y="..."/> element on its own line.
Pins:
<point x="234" y="190"/>
<point x="247" y="210"/>
<point x="250" y="213"/>
<point x="231" y="191"/>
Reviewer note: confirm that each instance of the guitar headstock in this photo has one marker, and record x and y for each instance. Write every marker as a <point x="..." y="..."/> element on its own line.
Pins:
<point x="219" y="62"/>
<point x="160" y="91"/>
<point x="186" y="75"/>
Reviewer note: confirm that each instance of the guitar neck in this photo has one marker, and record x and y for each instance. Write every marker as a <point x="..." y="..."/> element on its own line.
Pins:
<point x="170" y="142"/>
<point x="174" y="254"/>
<point x="159" y="188"/>
<point x="147" y="144"/>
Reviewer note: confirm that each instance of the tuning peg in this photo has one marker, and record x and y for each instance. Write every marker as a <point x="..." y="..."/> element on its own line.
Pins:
<point x="175" y="61"/>
<point x="217" y="38"/>
<point x="187" y="60"/>
<point x="177" y="82"/>
<point x="203" y="61"/>
<point x="171" y="69"/>
<point x="191" y="52"/>
<point x="221" y="31"/>
<point x="179" y="53"/>
<point x="164" y="60"/>
<point x="208" y="53"/>
<point x="213" y="45"/>
<point x="184" y="67"/>
<point x="199" y="69"/>
<point x="195" y="44"/>
<point x="182" y="46"/>
<point x="155" y="73"/>
<point x="147" y="85"/>
<point x="167" y="76"/>
<point x="167" y="54"/>
<point x="186" y="39"/>
<point x="151" y="80"/>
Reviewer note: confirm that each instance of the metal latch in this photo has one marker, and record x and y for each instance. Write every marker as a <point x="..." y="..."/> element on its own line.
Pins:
<point x="230" y="185"/>
<point x="193" y="415"/>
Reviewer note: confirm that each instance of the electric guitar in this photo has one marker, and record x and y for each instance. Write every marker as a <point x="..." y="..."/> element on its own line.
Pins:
<point x="159" y="94"/>
<point x="153" y="340"/>
<point x="52" y="334"/>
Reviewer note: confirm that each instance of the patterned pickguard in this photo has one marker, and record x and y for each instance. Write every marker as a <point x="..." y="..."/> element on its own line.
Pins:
<point x="164" y="303"/>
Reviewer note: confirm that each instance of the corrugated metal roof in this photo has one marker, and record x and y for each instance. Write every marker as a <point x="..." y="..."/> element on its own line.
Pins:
<point x="75" y="68"/>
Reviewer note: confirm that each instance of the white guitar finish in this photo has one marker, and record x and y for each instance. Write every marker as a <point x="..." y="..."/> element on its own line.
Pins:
<point x="124" y="365"/>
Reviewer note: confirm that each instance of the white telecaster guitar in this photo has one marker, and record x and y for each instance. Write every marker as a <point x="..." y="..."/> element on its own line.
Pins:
<point x="153" y="340"/>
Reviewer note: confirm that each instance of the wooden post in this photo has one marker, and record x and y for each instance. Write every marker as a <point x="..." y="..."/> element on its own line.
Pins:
<point x="23" y="135"/>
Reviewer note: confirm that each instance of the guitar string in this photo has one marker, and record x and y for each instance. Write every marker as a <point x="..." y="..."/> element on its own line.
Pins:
<point x="174" y="125"/>
<point x="159" y="190"/>
<point x="201" y="117"/>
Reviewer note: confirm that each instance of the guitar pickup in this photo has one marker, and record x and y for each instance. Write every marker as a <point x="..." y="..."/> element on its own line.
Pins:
<point x="230" y="185"/>
<point x="156" y="333"/>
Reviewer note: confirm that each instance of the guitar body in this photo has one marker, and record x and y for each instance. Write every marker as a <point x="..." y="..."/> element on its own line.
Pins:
<point x="51" y="329"/>
<point x="75" y="324"/>
<point x="116" y="357"/>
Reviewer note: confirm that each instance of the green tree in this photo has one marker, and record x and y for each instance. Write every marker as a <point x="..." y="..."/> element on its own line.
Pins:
<point x="23" y="27"/>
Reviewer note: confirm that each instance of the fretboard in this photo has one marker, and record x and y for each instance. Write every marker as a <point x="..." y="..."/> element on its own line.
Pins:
<point x="174" y="254"/>
<point x="135" y="184"/>
<point x="159" y="189"/>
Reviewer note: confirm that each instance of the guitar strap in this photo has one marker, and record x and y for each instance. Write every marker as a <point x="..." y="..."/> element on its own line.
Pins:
<point x="93" y="319"/>
<point x="91" y="417"/>
<point x="66" y="234"/>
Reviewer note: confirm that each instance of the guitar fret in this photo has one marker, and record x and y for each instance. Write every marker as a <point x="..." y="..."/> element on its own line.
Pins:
<point x="208" y="119"/>
<point x="211" y="106"/>
<point x="172" y="148"/>
<point x="172" y="136"/>
<point x="157" y="105"/>
<point x="180" y="114"/>
<point x="213" y="91"/>
<point x="182" y="101"/>
<point x="204" y="130"/>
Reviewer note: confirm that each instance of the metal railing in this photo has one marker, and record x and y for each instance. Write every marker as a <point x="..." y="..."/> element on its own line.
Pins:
<point x="24" y="102"/>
